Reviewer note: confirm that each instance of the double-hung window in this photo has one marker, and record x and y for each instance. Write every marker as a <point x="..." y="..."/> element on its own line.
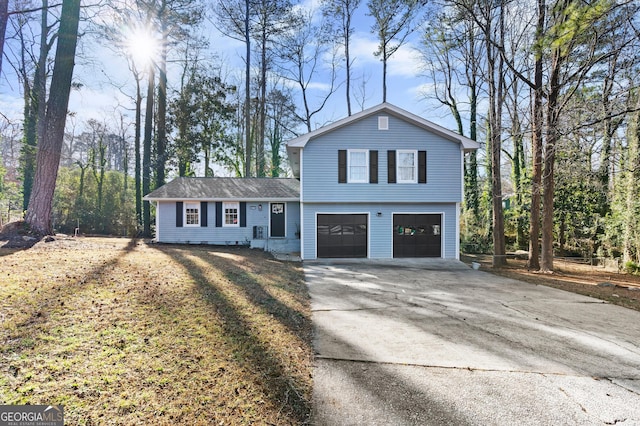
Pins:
<point x="407" y="166"/>
<point x="231" y="212"/>
<point x="358" y="166"/>
<point x="191" y="214"/>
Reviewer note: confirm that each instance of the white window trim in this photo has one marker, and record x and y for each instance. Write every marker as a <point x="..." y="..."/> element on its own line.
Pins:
<point x="415" y="165"/>
<point x="227" y="205"/>
<point x="193" y="205"/>
<point x="366" y="163"/>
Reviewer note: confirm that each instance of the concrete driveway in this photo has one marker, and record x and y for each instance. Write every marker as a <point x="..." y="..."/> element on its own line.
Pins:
<point x="431" y="342"/>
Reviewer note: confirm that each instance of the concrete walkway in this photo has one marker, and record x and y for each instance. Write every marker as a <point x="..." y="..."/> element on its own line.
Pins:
<point x="422" y="342"/>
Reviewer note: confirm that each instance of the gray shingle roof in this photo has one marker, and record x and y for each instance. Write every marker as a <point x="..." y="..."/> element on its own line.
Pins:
<point x="224" y="188"/>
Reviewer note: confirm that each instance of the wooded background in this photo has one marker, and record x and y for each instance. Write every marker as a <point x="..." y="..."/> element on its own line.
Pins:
<point x="549" y="89"/>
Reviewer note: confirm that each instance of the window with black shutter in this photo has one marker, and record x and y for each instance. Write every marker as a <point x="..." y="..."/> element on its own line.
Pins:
<point x="391" y="166"/>
<point x="179" y="207"/>
<point x="203" y="213"/>
<point x="422" y="166"/>
<point x="373" y="166"/>
<point x="342" y="166"/>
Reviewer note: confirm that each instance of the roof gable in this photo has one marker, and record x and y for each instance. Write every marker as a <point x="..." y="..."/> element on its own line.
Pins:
<point x="294" y="145"/>
<point x="227" y="188"/>
<point x="468" y="144"/>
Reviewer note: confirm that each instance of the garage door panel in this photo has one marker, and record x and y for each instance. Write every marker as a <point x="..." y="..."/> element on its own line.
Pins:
<point x="417" y="235"/>
<point x="342" y="235"/>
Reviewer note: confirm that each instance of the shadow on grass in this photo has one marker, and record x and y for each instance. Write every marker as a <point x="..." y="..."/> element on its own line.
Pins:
<point x="47" y="301"/>
<point x="259" y="296"/>
<point x="16" y="244"/>
<point x="252" y="354"/>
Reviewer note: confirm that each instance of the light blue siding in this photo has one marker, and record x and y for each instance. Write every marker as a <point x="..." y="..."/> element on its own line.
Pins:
<point x="380" y="228"/>
<point x="257" y="215"/>
<point x="320" y="164"/>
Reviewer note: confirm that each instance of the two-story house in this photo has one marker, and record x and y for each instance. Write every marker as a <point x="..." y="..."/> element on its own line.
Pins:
<point x="382" y="183"/>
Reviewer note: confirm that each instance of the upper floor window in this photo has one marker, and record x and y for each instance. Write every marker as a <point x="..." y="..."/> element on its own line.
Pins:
<point x="358" y="165"/>
<point x="407" y="166"/>
<point x="191" y="214"/>
<point x="231" y="212"/>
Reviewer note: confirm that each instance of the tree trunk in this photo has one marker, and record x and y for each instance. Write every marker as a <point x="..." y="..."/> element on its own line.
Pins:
<point x="262" y="104"/>
<point x="40" y="80"/>
<point x="30" y="143"/>
<point x="146" y="154"/>
<point x="138" y="159"/>
<point x="98" y="166"/>
<point x="4" y="18"/>
<point x="125" y="173"/>
<point x="631" y="201"/>
<point x="247" y="88"/>
<point x="347" y="40"/>
<point x="495" y="127"/>
<point x="384" y="72"/>
<point x="518" y="169"/>
<point x="50" y="148"/>
<point x="548" y="180"/>
<point x="536" y="143"/>
<point x="473" y="196"/>
<point x="34" y="109"/>
<point x="162" y="101"/>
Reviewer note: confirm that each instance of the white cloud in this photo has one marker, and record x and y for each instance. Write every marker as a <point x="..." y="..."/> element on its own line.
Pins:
<point x="405" y="62"/>
<point x="323" y="87"/>
<point x="362" y="49"/>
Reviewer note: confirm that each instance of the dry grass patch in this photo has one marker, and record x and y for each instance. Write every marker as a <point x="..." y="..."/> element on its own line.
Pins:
<point x="123" y="332"/>
<point x="610" y="286"/>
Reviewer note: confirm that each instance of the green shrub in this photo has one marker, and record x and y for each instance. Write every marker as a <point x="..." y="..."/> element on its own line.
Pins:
<point x="632" y="268"/>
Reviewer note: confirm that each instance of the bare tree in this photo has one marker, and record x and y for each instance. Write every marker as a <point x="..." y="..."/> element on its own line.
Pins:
<point x="233" y="18"/>
<point x="340" y="15"/>
<point x="451" y="56"/>
<point x="394" y="21"/>
<point x="300" y="53"/>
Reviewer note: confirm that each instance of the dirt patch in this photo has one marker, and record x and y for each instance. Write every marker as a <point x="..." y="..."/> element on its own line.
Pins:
<point x="609" y="285"/>
<point x="17" y="235"/>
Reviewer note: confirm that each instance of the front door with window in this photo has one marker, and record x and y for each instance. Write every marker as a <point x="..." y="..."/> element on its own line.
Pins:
<point x="277" y="220"/>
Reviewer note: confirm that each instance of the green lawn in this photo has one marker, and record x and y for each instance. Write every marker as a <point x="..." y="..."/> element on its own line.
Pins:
<point x="121" y="332"/>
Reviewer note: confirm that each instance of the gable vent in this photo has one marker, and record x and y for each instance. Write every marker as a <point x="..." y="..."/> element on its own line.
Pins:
<point x="383" y="123"/>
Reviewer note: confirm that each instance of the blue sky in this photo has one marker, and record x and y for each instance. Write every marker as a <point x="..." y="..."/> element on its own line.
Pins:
<point x="101" y="71"/>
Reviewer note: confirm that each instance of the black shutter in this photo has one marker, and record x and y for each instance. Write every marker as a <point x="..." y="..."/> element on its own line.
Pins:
<point x="342" y="166"/>
<point x="373" y="166"/>
<point x="179" y="210"/>
<point x="218" y="214"/>
<point x="243" y="215"/>
<point x="391" y="166"/>
<point x="422" y="166"/>
<point x="203" y="213"/>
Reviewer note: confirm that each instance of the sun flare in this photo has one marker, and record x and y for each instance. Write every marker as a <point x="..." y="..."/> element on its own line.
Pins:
<point x="142" y="46"/>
